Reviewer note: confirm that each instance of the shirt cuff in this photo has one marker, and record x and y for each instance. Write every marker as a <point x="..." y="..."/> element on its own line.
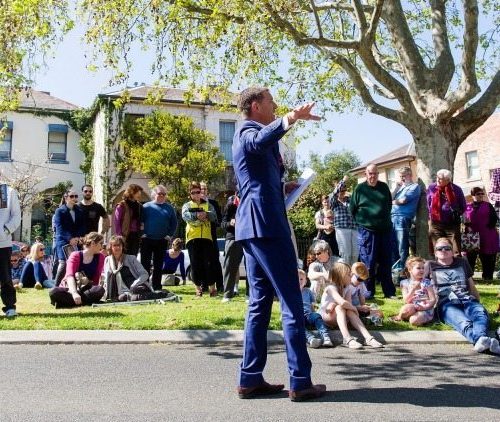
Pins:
<point x="286" y="124"/>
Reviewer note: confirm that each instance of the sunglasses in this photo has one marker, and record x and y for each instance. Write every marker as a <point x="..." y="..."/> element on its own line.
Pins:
<point x="88" y="191"/>
<point x="318" y="253"/>
<point x="443" y="248"/>
<point x="195" y="192"/>
<point x="72" y="196"/>
<point x="41" y="249"/>
<point x="13" y="261"/>
<point x="479" y="194"/>
<point x="161" y="193"/>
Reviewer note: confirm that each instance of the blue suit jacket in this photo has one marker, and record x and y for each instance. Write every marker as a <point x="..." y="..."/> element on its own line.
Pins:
<point x="66" y="228"/>
<point x="258" y="168"/>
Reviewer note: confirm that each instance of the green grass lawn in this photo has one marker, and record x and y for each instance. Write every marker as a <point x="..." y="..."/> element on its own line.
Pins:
<point x="36" y="313"/>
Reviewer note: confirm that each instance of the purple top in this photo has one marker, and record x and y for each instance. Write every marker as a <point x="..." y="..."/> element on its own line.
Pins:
<point x="118" y="219"/>
<point x="446" y="212"/>
<point x="479" y="218"/>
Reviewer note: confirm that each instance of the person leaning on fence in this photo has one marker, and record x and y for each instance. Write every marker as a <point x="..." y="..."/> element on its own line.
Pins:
<point x="125" y="279"/>
<point x="80" y="286"/>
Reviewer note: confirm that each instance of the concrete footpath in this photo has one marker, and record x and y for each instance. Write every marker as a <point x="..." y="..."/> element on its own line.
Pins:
<point x="200" y="337"/>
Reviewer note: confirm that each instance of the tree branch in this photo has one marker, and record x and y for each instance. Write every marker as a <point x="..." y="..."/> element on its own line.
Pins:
<point x="302" y="39"/>
<point x="316" y="18"/>
<point x="372" y="28"/>
<point x="360" y="16"/>
<point x="474" y="116"/>
<point x="410" y="58"/>
<point x="364" y="92"/>
<point x="445" y="65"/>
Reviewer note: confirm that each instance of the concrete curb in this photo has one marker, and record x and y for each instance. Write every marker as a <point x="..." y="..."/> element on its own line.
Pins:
<point x="200" y="337"/>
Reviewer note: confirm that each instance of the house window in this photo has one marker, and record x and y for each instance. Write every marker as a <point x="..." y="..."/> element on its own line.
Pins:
<point x="226" y="134"/>
<point x="6" y="144"/>
<point x="58" y="137"/>
<point x="390" y="175"/>
<point x="472" y="160"/>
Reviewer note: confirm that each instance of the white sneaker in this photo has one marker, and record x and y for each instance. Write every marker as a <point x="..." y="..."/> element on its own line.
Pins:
<point x="10" y="313"/>
<point x="314" y="342"/>
<point x="482" y="344"/>
<point x="494" y="346"/>
<point x="226" y="299"/>
<point x="38" y="285"/>
<point x="327" y="341"/>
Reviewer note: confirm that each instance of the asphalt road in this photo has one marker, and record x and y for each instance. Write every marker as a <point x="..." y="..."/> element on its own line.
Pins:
<point x="164" y="382"/>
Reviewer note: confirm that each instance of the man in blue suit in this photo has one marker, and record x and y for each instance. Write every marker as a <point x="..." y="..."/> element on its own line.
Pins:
<point x="264" y="233"/>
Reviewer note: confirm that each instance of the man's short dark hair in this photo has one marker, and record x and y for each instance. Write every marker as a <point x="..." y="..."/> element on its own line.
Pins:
<point x="87" y="186"/>
<point x="248" y="96"/>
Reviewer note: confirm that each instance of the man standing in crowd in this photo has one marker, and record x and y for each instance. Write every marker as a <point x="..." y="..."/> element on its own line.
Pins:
<point x="215" y="267"/>
<point x="233" y="251"/>
<point x="10" y="218"/>
<point x="92" y="212"/>
<point x="370" y="207"/>
<point x="263" y="229"/>
<point x="405" y="197"/>
<point x="159" y="221"/>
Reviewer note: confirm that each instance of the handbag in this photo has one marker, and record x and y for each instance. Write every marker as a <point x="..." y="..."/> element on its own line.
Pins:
<point x="470" y="240"/>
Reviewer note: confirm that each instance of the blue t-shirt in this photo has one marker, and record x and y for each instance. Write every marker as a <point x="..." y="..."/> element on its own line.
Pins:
<point x="308" y="299"/>
<point x="411" y="193"/>
<point x="159" y="220"/>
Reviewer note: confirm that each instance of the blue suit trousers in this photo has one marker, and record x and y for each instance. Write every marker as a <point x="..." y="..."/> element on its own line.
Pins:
<point x="272" y="267"/>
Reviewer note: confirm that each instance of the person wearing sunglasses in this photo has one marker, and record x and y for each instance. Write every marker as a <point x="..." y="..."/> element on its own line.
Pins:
<point x="458" y="298"/>
<point x="34" y="274"/>
<point x="480" y="217"/>
<point x="10" y="219"/>
<point x="93" y="212"/>
<point x="17" y="263"/>
<point x="198" y="215"/>
<point x="319" y="269"/>
<point x="69" y="227"/>
<point x="160" y="222"/>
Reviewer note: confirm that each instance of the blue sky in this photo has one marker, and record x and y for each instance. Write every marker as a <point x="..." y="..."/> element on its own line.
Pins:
<point x="66" y="77"/>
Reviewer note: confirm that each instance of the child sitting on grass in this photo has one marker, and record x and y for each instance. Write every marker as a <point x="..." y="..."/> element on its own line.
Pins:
<point x="418" y="295"/>
<point x="336" y="307"/>
<point x="311" y="317"/>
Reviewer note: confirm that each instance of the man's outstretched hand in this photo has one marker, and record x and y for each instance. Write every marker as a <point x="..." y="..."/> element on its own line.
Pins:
<point x="302" y="112"/>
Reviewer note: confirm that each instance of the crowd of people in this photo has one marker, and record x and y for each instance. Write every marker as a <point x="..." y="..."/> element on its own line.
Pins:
<point x="363" y="239"/>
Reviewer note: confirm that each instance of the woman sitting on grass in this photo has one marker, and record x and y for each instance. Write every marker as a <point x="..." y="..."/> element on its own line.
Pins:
<point x="418" y="295"/>
<point x="124" y="276"/>
<point x="80" y="286"/>
<point x="34" y="274"/>
<point x="458" y="298"/>
<point x="319" y="269"/>
<point x="336" y="307"/>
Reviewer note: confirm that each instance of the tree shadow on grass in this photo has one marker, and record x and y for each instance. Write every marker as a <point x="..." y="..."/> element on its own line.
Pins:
<point x="79" y="315"/>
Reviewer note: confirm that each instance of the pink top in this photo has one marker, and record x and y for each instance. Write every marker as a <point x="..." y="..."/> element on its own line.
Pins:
<point x="479" y="219"/>
<point x="73" y="266"/>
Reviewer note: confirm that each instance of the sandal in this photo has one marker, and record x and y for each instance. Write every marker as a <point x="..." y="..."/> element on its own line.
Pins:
<point x="373" y="343"/>
<point x="351" y="343"/>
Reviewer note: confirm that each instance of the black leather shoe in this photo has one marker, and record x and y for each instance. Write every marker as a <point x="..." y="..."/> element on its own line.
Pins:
<point x="310" y="393"/>
<point x="264" y="389"/>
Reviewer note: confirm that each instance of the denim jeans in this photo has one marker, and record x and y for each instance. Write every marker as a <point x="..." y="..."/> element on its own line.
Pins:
<point x="469" y="318"/>
<point x="401" y="241"/>
<point x="314" y="319"/>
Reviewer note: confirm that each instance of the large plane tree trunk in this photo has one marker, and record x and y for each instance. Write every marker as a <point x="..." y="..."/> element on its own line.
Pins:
<point x="436" y="149"/>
